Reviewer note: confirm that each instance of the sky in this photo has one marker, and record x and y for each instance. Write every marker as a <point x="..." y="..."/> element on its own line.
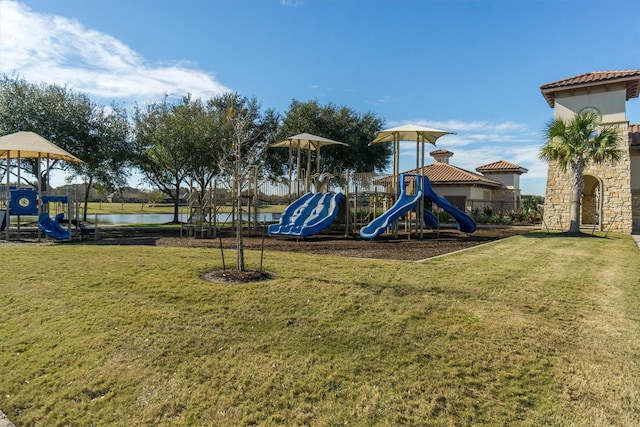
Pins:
<point x="473" y="67"/>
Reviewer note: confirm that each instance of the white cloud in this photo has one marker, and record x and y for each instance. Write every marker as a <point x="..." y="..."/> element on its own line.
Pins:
<point x="477" y="143"/>
<point x="294" y="3"/>
<point x="54" y="49"/>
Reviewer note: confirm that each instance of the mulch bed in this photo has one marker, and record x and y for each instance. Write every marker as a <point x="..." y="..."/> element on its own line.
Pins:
<point x="403" y="247"/>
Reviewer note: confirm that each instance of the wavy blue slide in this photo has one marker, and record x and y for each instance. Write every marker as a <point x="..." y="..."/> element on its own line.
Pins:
<point x="430" y="219"/>
<point x="52" y="228"/>
<point x="465" y="222"/>
<point x="308" y="215"/>
<point x="403" y="204"/>
<point x="320" y="217"/>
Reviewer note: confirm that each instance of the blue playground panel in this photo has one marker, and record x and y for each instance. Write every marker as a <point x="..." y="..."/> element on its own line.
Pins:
<point x="59" y="199"/>
<point x="23" y="202"/>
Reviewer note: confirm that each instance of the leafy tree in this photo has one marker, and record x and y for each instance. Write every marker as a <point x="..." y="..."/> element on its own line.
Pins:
<point x="200" y="136"/>
<point x="340" y="124"/>
<point x="95" y="134"/>
<point x="162" y="135"/>
<point x="106" y="151"/>
<point x="574" y="144"/>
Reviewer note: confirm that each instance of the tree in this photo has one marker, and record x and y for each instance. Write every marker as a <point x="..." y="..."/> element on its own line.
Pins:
<point x="95" y="134"/>
<point x="206" y="134"/>
<point x="248" y="133"/>
<point x="106" y="151"/>
<point x="162" y="135"/>
<point x="575" y="144"/>
<point x="340" y="124"/>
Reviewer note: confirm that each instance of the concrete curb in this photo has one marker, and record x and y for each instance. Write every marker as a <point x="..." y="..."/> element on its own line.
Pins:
<point x="4" y="421"/>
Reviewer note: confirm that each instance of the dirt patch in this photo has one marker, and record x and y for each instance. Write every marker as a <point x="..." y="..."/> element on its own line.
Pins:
<point x="237" y="276"/>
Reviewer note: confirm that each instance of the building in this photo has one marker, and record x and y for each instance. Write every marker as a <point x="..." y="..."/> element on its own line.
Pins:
<point x="611" y="196"/>
<point x="496" y="186"/>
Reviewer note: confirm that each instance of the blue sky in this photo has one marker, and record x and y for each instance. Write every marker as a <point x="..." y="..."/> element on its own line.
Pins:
<point x="469" y="66"/>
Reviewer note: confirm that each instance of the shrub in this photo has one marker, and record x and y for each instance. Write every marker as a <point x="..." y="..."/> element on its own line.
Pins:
<point x="443" y="216"/>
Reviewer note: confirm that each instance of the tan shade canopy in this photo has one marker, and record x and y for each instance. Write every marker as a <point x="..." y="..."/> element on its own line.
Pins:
<point x="32" y="145"/>
<point x="410" y="133"/>
<point x="305" y="141"/>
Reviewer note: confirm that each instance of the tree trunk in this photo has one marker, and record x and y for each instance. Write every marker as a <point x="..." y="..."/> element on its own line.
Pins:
<point x="240" y="243"/>
<point x="577" y="186"/>
<point x="176" y="203"/>
<point x="86" y="198"/>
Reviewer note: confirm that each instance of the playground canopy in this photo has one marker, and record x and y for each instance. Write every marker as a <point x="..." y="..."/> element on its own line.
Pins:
<point x="31" y="145"/>
<point x="305" y="141"/>
<point x="410" y="133"/>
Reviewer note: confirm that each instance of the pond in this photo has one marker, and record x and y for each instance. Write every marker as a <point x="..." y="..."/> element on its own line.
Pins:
<point x="165" y="218"/>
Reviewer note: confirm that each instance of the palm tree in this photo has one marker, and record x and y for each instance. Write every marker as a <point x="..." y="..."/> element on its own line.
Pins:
<point x="573" y="145"/>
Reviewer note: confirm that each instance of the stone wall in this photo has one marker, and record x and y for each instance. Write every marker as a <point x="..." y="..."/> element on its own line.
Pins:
<point x="507" y="198"/>
<point x="616" y="193"/>
<point x="635" y="203"/>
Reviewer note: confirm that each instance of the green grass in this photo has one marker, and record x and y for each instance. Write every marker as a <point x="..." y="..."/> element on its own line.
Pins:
<point x="533" y="330"/>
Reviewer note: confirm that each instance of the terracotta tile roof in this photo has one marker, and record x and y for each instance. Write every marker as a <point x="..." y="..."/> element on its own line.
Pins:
<point x="598" y="78"/>
<point x="442" y="174"/>
<point x="502" y="166"/>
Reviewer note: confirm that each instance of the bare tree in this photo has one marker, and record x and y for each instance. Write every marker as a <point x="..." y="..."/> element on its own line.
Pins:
<point x="249" y="132"/>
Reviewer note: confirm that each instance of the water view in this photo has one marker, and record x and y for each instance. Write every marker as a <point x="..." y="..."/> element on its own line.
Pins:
<point x="113" y="219"/>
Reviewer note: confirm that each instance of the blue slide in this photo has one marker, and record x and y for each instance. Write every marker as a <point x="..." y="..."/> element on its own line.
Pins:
<point x="466" y="223"/>
<point x="52" y="228"/>
<point x="320" y="217"/>
<point x="403" y="204"/>
<point x="308" y="215"/>
<point x="430" y="219"/>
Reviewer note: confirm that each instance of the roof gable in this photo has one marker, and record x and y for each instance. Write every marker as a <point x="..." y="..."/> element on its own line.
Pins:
<point x="502" y="166"/>
<point x="630" y="78"/>
<point x="442" y="173"/>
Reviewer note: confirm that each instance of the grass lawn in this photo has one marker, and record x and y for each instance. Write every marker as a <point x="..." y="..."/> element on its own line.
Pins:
<point x="533" y="330"/>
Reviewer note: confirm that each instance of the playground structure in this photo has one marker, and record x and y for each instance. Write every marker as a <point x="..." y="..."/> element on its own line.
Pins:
<point x="413" y="188"/>
<point x="398" y="200"/>
<point x="314" y="211"/>
<point x="19" y="202"/>
<point x="340" y="201"/>
<point x="25" y="202"/>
